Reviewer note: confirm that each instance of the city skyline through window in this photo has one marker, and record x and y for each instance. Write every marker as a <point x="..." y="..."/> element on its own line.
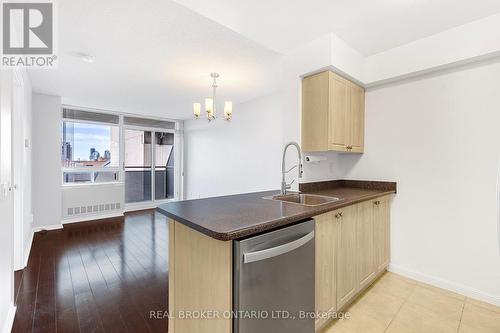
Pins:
<point x="89" y="145"/>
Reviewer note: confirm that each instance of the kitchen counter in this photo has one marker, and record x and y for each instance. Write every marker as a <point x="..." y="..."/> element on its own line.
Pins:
<point x="236" y="216"/>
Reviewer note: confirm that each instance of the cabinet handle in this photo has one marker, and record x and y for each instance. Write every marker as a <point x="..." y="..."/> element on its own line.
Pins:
<point x="376" y="203"/>
<point x="338" y="215"/>
<point x="341" y="214"/>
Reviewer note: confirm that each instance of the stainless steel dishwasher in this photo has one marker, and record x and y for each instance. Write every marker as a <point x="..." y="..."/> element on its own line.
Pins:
<point x="274" y="281"/>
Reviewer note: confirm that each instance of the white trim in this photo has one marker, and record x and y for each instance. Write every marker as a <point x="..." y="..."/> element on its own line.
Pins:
<point x="133" y="206"/>
<point x="148" y="129"/>
<point x="9" y="320"/>
<point x="91" y="169"/>
<point x="27" y="251"/>
<point x="90" y="122"/>
<point x="115" y="112"/>
<point x="88" y="218"/>
<point x="498" y="205"/>
<point x="446" y="284"/>
<point x="47" y="227"/>
<point x="80" y="185"/>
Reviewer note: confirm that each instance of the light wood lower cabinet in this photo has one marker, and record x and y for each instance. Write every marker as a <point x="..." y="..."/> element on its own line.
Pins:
<point x="347" y="256"/>
<point x="326" y="242"/>
<point x="352" y="249"/>
<point x="365" y="244"/>
<point x="382" y="232"/>
<point x="200" y="280"/>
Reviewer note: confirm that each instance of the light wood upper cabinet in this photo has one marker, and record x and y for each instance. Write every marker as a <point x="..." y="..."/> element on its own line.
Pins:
<point x="332" y="114"/>
<point x="356" y="123"/>
<point x="315" y="97"/>
<point x="326" y="296"/>
<point x="347" y="277"/>
<point x="339" y="113"/>
<point x="382" y="232"/>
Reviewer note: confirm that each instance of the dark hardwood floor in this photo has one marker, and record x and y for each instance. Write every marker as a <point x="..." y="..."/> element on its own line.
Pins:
<point x="96" y="277"/>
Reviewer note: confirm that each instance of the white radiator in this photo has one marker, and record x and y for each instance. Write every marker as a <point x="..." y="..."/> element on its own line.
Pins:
<point x="92" y="201"/>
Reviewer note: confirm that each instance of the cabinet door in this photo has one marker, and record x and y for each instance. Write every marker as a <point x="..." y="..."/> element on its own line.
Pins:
<point x="347" y="282"/>
<point x="326" y="241"/>
<point x="382" y="232"/>
<point x="339" y="108"/>
<point x="356" y="126"/>
<point x="365" y="244"/>
<point x="315" y="106"/>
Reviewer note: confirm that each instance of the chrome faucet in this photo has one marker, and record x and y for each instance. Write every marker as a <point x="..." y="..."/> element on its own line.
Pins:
<point x="284" y="185"/>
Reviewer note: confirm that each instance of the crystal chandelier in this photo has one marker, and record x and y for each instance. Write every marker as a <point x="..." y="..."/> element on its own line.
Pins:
<point x="210" y="103"/>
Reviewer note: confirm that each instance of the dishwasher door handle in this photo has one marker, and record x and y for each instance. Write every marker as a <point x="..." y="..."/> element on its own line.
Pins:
<point x="278" y="250"/>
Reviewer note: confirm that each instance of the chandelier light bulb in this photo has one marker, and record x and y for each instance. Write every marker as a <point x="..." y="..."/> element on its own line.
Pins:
<point x="209" y="107"/>
<point x="197" y="110"/>
<point x="228" y="110"/>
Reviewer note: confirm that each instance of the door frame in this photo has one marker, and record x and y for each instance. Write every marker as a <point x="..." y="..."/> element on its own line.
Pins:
<point x="18" y="168"/>
<point x="177" y="160"/>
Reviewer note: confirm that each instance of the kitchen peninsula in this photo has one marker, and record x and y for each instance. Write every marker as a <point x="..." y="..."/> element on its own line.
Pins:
<point x="351" y="247"/>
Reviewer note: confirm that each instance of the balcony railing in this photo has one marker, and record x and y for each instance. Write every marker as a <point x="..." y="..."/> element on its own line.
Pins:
<point x="138" y="183"/>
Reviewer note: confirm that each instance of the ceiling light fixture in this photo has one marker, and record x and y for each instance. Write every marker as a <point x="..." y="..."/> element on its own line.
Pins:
<point x="210" y="104"/>
<point x="87" y="57"/>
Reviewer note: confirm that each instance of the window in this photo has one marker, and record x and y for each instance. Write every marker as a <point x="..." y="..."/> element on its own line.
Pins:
<point x="90" y="147"/>
<point x="141" y="153"/>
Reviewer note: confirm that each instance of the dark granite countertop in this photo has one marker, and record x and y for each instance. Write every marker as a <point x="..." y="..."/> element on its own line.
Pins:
<point x="236" y="216"/>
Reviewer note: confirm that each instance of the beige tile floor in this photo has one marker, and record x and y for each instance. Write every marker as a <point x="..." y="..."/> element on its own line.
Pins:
<point x="395" y="304"/>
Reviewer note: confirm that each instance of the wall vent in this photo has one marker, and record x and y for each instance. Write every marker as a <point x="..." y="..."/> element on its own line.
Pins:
<point x="93" y="209"/>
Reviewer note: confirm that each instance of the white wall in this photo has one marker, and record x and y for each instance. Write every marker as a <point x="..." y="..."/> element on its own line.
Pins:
<point x="439" y="138"/>
<point x="245" y="154"/>
<point x="459" y="45"/>
<point x="226" y="157"/>
<point x="46" y="160"/>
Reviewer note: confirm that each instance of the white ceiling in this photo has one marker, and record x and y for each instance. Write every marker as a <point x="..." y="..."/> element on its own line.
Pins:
<point x="369" y="26"/>
<point x="152" y="57"/>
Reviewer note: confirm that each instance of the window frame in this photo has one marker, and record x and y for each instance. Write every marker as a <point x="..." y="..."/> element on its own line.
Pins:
<point x="92" y="170"/>
<point x="178" y="152"/>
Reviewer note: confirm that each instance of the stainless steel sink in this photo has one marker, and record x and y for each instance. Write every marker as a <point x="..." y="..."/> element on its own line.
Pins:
<point x="304" y="199"/>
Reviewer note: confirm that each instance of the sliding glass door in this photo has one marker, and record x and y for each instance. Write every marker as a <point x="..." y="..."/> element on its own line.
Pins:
<point x="138" y="165"/>
<point x="164" y="165"/>
<point x="149" y="165"/>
